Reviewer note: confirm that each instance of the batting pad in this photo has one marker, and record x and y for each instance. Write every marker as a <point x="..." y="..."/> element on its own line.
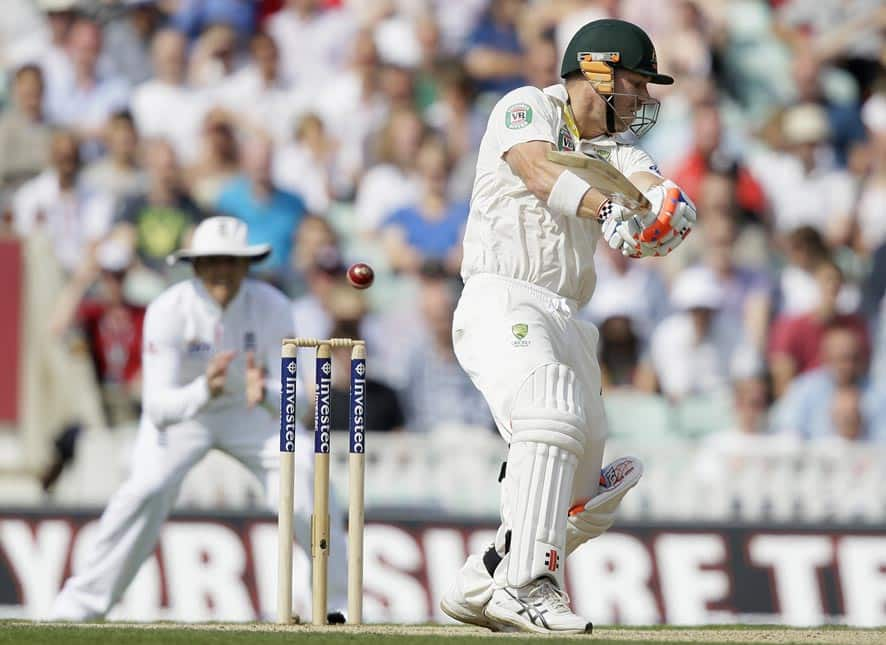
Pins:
<point x="547" y="441"/>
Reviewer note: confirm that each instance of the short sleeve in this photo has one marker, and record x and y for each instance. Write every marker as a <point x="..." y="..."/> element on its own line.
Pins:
<point x="522" y="115"/>
<point x="631" y="160"/>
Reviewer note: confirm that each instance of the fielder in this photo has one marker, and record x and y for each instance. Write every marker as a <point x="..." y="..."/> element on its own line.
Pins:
<point x="528" y="268"/>
<point x="211" y="379"/>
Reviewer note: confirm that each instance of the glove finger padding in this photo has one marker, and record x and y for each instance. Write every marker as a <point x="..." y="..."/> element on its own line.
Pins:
<point x="594" y="517"/>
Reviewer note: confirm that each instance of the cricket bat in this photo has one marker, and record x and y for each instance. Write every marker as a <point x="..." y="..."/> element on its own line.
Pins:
<point x="602" y="176"/>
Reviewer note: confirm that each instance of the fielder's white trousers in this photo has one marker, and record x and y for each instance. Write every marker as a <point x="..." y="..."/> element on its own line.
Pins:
<point x="130" y="526"/>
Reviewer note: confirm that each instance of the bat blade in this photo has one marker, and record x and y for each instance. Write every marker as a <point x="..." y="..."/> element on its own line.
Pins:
<point x="602" y="176"/>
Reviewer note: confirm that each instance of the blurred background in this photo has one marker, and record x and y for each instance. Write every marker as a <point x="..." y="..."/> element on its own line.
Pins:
<point x="747" y="370"/>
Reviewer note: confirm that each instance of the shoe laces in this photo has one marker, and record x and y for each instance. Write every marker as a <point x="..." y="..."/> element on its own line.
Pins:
<point x="552" y="596"/>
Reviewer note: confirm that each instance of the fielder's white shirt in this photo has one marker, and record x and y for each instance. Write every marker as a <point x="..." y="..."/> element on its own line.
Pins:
<point x="511" y="232"/>
<point x="184" y="328"/>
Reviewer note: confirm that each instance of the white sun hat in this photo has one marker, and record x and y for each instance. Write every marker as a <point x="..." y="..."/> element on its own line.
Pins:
<point x="221" y="236"/>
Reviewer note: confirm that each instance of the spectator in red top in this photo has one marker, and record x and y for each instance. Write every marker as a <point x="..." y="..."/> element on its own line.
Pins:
<point x="796" y="341"/>
<point x="709" y="155"/>
<point x="95" y="301"/>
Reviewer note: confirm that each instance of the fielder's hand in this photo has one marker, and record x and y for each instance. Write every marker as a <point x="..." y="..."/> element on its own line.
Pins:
<point x="217" y="372"/>
<point x="255" y="381"/>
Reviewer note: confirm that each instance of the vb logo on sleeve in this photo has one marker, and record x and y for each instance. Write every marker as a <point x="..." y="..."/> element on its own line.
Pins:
<point x="518" y="116"/>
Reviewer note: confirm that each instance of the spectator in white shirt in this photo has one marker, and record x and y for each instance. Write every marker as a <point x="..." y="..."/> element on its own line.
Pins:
<point x="118" y="173"/>
<point x="312" y="40"/>
<point x="691" y="350"/>
<point x="357" y="92"/>
<point x="85" y="99"/>
<point x="870" y="208"/>
<point x="165" y="107"/>
<point x="57" y="202"/>
<point x="258" y="95"/>
<point x="391" y="184"/>
<point x="307" y="165"/>
<point x="618" y="275"/>
<point x="802" y="184"/>
<point x="218" y="162"/>
<point x="212" y="59"/>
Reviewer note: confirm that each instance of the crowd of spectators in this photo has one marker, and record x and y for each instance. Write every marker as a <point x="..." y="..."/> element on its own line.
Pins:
<point x="346" y="130"/>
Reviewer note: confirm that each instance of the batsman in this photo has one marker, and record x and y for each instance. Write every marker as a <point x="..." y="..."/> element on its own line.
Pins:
<point x="528" y="268"/>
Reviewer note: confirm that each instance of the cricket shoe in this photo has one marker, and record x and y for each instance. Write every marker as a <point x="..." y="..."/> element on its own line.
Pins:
<point x="540" y="607"/>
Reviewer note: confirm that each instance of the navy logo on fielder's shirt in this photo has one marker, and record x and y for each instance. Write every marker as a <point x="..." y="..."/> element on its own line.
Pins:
<point x="197" y="346"/>
<point x="249" y="341"/>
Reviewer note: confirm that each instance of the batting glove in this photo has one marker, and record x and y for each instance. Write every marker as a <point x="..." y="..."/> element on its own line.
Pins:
<point x="659" y="230"/>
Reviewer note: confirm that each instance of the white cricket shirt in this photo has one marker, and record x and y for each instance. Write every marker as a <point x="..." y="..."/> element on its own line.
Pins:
<point x="511" y="232"/>
<point x="184" y="328"/>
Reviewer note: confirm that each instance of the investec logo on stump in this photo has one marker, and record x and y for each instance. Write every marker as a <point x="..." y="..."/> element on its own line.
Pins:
<point x="287" y="396"/>
<point x="358" y="398"/>
<point x="322" y="416"/>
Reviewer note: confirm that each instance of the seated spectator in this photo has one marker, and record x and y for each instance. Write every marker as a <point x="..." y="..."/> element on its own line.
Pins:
<point x="796" y="341"/>
<point x="846" y="414"/>
<point x="843" y="116"/>
<point x="724" y="455"/>
<point x="808" y="407"/>
<point x="273" y="215"/>
<point x="128" y="37"/>
<point x="161" y="219"/>
<point x="457" y="115"/>
<point x="24" y="133"/>
<point x="324" y="276"/>
<point x="436" y="390"/>
<point x="391" y="183"/>
<point x="691" y="350"/>
<point x="212" y="58"/>
<point x="307" y="165"/>
<point x="709" y="154"/>
<point x="802" y="186"/>
<point x="383" y="410"/>
<point x="617" y="276"/>
<point x="747" y="292"/>
<point x="312" y="39"/>
<point x="118" y="173"/>
<point x="542" y="61"/>
<point x="871" y="225"/>
<point x="58" y="202"/>
<point x="258" y="96"/>
<point x="495" y="56"/>
<point x="112" y="327"/>
<point x="86" y="98"/>
<point x="218" y="162"/>
<point x="165" y="106"/>
<point x="355" y="90"/>
<point x="316" y="238"/>
<point x="805" y="249"/>
<point x="621" y="349"/>
<point x="193" y="16"/>
<point x="433" y="228"/>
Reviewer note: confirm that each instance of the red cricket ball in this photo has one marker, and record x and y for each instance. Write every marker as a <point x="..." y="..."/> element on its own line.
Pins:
<point x="360" y="275"/>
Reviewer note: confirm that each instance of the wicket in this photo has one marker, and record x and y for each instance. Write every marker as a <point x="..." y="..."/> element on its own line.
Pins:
<point x="320" y="517"/>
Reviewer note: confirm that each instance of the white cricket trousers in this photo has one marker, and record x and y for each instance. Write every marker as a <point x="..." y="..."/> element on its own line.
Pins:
<point x="130" y="526"/>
